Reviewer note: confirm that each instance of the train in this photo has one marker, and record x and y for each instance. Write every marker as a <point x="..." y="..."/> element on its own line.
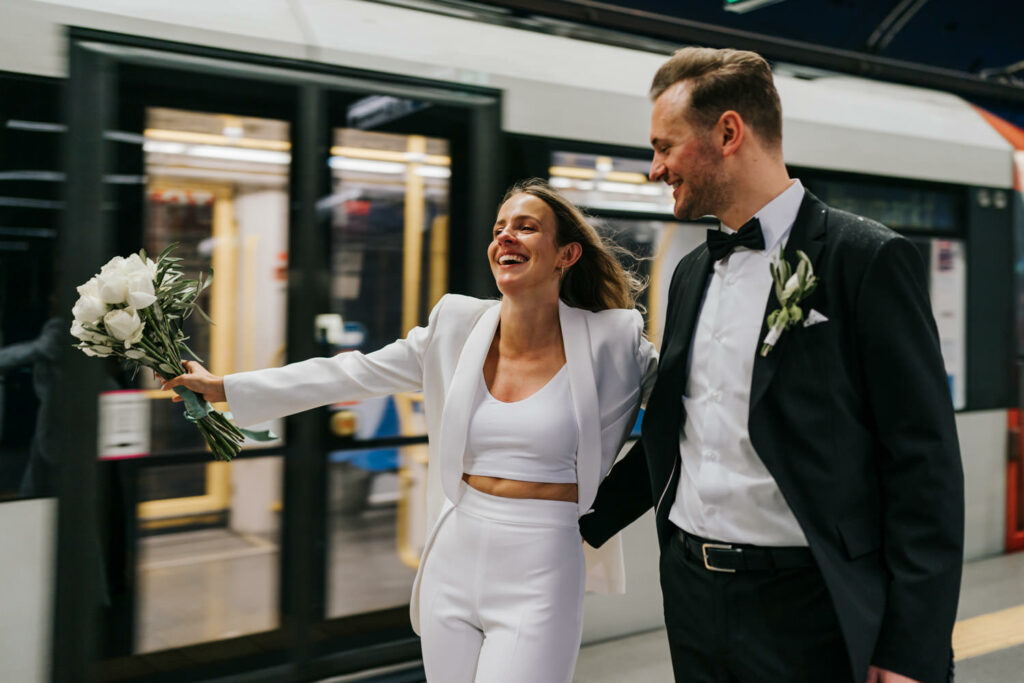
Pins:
<point x="337" y="166"/>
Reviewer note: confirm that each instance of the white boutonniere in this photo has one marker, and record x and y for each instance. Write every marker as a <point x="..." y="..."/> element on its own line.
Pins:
<point x="790" y="289"/>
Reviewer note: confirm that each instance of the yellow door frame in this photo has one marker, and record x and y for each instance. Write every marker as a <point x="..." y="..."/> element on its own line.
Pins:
<point x="223" y="292"/>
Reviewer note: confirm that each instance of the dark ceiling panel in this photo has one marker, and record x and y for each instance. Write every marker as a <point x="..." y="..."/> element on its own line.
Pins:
<point x="964" y="46"/>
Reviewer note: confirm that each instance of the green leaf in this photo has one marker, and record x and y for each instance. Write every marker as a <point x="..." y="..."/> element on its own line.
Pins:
<point x="170" y="247"/>
<point x="201" y="312"/>
<point x="190" y="351"/>
<point x="782" y="318"/>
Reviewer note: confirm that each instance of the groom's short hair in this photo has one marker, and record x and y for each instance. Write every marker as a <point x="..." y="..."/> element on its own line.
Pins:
<point x="721" y="80"/>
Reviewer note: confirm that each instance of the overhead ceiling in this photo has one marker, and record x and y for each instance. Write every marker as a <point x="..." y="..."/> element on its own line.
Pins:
<point x="973" y="47"/>
<point x="963" y="35"/>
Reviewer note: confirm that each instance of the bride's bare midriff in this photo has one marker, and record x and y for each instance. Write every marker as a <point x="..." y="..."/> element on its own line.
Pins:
<point x="513" y="488"/>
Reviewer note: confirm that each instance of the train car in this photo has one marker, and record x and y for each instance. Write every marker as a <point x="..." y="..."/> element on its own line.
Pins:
<point x="338" y="166"/>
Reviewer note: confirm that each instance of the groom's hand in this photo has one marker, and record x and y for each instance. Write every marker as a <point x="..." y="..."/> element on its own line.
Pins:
<point x="877" y="675"/>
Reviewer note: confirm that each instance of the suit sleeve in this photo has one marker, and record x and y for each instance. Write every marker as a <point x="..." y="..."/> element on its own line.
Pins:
<point x="267" y="394"/>
<point x="623" y="496"/>
<point x="919" y="464"/>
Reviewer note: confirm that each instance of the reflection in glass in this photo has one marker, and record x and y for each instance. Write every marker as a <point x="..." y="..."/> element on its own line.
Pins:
<point x="606" y="183"/>
<point x="389" y="265"/>
<point x="217" y="186"/>
<point x="389" y="230"/>
<point x="373" y="526"/>
<point x="217" y="576"/>
<point x="32" y="335"/>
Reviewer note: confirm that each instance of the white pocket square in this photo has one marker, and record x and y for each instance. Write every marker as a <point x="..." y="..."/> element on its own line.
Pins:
<point x="813" y="318"/>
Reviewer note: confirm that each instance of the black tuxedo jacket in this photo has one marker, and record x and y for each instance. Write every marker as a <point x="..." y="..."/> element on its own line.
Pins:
<point x="853" y="419"/>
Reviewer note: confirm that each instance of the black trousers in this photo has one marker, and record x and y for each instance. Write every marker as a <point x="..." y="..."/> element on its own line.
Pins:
<point x="750" y="626"/>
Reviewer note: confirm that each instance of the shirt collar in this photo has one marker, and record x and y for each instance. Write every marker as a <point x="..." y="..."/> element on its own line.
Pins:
<point x="777" y="216"/>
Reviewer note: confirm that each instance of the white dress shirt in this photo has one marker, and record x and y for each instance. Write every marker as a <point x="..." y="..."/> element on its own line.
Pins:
<point x="725" y="492"/>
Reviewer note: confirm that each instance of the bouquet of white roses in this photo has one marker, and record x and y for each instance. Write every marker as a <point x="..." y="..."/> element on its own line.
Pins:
<point x="133" y="309"/>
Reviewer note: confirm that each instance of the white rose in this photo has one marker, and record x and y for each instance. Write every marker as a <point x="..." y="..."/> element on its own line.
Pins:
<point x="90" y="288"/>
<point x="135" y="264"/>
<point x="124" y="324"/>
<point x="140" y="289"/>
<point x="114" y="264"/>
<point x="113" y="281"/>
<point x="89" y="308"/>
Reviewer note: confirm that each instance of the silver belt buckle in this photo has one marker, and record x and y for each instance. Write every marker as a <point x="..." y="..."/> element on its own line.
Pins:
<point x="704" y="547"/>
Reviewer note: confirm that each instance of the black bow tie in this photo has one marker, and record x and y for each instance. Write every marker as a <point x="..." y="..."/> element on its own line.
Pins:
<point x="721" y="243"/>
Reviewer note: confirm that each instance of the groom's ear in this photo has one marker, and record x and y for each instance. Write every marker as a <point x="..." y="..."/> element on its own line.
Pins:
<point x="730" y="131"/>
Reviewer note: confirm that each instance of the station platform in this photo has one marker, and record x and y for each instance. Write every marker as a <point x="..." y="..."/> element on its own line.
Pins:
<point x="988" y="639"/>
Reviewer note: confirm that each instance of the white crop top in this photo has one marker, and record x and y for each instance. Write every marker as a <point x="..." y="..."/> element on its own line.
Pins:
<point x="530" y="440"/>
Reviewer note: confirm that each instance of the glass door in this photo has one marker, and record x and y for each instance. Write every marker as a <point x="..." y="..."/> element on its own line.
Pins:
<point x="328" y="220"/>
<point x="390" y="212"/>
<point x="217" y="187"/>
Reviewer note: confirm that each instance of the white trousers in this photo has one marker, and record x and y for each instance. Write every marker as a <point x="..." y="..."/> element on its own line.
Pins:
<point x="501" y="596"/>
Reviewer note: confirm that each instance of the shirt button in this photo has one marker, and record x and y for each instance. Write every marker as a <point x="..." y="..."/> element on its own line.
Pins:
<point x="710" y="455"/>
<point x="716" y="396"/>
<point x="731" y="280"/>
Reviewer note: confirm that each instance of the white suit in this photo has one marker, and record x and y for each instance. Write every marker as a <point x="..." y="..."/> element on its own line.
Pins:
<point x="609" y="364"/>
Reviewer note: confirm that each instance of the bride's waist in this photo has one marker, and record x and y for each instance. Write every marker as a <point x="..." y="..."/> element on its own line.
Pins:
<point x="515" y="488"/>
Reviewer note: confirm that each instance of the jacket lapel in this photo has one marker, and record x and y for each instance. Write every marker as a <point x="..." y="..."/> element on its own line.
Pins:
<point x="583" y="388"/>
<point x="459" y="402"/>
<point x="808" y="236"/>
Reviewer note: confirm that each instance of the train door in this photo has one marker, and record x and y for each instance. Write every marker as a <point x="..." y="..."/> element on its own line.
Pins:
<point x="334" y="208"/>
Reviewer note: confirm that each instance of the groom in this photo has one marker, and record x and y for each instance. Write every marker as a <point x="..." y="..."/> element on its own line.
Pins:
<point x="809" y="501"/>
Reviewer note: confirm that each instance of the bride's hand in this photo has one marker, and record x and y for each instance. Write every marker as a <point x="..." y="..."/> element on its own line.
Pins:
<point x="200" y="380"/>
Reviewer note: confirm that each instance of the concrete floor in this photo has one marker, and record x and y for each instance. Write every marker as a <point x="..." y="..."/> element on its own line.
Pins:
<point x="207" y="585"/>
<point x="989" y="586"/>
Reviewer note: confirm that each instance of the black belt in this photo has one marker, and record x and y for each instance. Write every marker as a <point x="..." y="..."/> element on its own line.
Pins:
<point x="717" y="556"/>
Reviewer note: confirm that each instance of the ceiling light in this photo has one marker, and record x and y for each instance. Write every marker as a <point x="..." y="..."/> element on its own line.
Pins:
<point x="743" y="6"/>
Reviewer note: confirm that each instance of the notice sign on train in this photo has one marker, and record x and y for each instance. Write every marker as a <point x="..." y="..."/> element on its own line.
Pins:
<point x="123" y="425"/>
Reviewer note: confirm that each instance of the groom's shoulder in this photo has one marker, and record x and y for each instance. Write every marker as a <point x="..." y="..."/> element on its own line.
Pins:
<point x="852" y="232"/>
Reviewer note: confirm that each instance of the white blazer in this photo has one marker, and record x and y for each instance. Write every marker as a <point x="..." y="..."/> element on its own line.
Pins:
<point x="611" y="369"/>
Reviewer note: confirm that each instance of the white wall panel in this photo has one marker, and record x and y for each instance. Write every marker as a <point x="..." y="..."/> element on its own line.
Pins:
<point x="983" y="441"/>
<point x="27" y="542"/>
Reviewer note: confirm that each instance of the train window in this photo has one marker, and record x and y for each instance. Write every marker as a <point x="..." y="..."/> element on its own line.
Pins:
<point x="389" y="266"/>
<point x="217" y="186"/>
<point x="609" y="183"/>
<point x="389" y="259"/>
<point x="31" y="329"/>
<point x="899" y="207"/>
<point x="215" y="576"/>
